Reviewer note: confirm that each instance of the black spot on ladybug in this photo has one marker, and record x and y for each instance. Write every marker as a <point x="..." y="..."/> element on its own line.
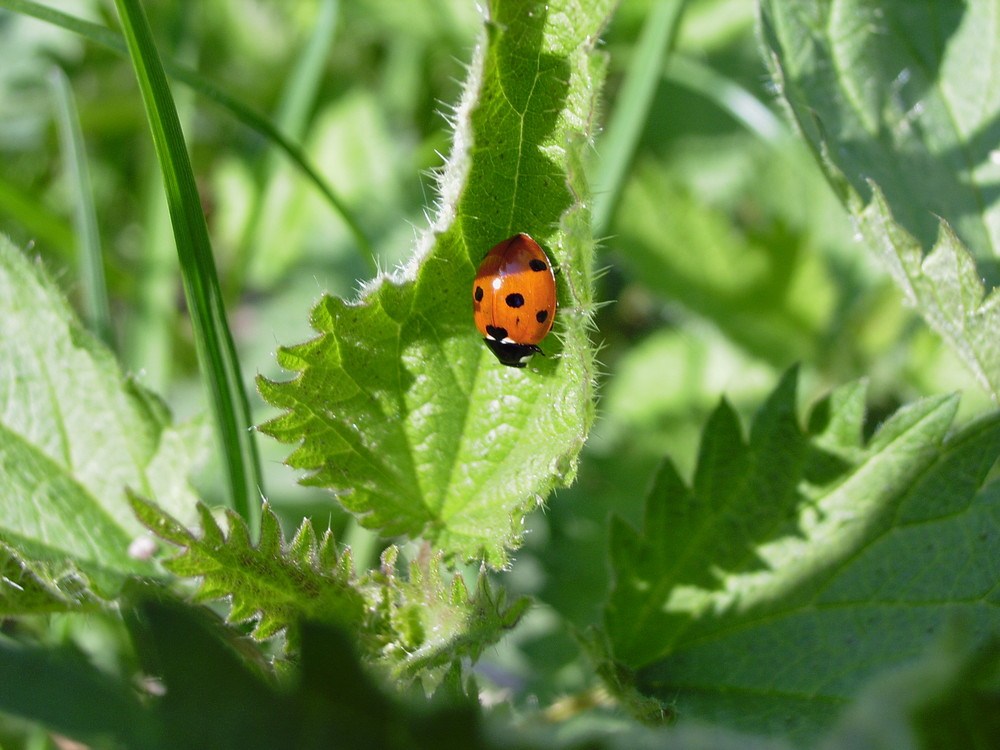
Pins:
<point x="514" y="300"/>
<point x="541" y="316"/>
<point x="537" y="265"/>
<point x="479" y="294"/>
<point x="494" y="332"/>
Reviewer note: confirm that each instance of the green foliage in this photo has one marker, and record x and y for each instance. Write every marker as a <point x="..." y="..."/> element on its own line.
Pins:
<point x="74" y="435"/>
<point x="279" y="582"/>
<point x="216" y="350"/>
<point x="892" y="100"/>
<point x="757" y="287"/>
<point x="805" y="547"/>
<point x="61" y="689"/>
<point x="948" y="699"/>
<point x="434" y="624"/>
<point x="416" y="627"/>
<point x="85" y="219"/>
<point x="399" y="407"/>
<point x="827" y="581"/>
<point x="632" y="107"/>
<point x="945" y="285"/>
<point x="208" y="697"/>
<point x="105" y="37"/>
<point x="211" y="699"/>
<point x="36" y="586"/>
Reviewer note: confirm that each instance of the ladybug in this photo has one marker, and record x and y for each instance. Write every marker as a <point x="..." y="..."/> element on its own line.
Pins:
<point x="514" y="299"/>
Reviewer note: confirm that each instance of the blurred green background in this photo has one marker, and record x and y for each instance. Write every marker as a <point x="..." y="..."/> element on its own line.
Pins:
<point x="726" y="258"/>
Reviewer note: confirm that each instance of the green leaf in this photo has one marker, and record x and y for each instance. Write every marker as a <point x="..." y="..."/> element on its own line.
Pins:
<point x="944" y="285"/>
<point x="435" y="624"/>
<point x="60" y="689"/>
<point x="213" y="700"/>
<point x="947" y="699"/>
<point x="416" y="628"/>
<point x="802" y="561"/>
<point x="274" y="582"/>
<point x="894" y="102"/>
<point x="398" y="406"/>
<point x="74" y="433"/>
<point x="33" y="586"/>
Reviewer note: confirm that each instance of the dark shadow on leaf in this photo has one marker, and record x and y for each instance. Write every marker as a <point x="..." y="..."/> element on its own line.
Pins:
<point x="212" y="700"/>
<point x="745" y="494"/>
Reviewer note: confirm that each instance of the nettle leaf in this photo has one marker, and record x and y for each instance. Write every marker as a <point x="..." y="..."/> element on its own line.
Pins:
<point x="801" y="562"/>
<point x="273" y="582"/>
<point x="398" y="406"/>
<point x="59" y="688"/>
<point x="901" y="114"/>
<point x="947" y="699"/>
<point x="74" y="433"/>
<point x="944" y="285"/>
<point x="435" y="623"/>
<point x="328" y="700"/>
<point x="415" y="627"/>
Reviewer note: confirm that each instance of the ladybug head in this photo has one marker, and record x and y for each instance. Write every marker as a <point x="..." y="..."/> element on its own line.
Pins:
<point x="511" y="354"/>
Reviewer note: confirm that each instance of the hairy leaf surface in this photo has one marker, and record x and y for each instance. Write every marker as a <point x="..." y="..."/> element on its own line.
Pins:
<point x="803" y="560"/>
<point x="417" y="627"/>
<point x="900" y="101"/>
<point x="74" y="434"/>
<point x="397" y="405"/>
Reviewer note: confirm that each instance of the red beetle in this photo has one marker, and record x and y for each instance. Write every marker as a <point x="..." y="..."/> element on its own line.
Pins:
<point x="514" y="299"/>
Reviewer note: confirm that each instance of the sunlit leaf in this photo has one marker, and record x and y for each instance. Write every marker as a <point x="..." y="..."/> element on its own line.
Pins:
<point x="74" y="433"/>
<point x="398" y="406"/>
<point x="900" y="112"/>
<point x="803" y="560"/>
<point x="416" y="626"/>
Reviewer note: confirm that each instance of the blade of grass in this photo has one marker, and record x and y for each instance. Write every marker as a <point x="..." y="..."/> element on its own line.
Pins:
<point x="631" y="110"/>
<point x="149" y="345"/>
<point x="248" y="116"/>
<point x="148" y="334"/>
<point x="303" y="83"/>
<point x="299" y="95"/>
<point x="728" y="96"/>
<point x="216" y="352"/>
<point x="91" y="257"/>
